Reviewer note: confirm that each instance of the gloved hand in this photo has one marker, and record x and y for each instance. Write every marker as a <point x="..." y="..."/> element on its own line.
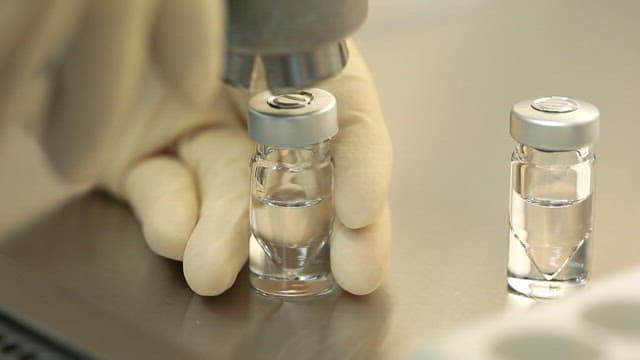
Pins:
<point x="138" y="125"/>
<point x="190" y="190"/>
<point x="71" y="70"/>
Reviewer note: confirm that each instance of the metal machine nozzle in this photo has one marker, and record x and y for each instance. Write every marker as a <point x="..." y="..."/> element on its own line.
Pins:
<point x="296" y="43"/>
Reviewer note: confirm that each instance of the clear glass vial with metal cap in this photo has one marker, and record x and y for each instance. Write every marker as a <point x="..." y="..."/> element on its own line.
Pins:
<point x="291" y="211"/>
<point x="552" y="184"/>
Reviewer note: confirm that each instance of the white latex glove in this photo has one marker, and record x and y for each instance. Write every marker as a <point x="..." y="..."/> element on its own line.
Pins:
<point x="71" y="70"/>
<point x="123" y="103"/>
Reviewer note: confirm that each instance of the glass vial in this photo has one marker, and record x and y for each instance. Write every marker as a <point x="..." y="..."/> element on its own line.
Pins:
<point x="552" y="184"/>
<point x="291" y="209"/>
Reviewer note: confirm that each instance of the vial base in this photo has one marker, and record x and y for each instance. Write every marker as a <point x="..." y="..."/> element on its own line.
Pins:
<point x="528" y="278"/>
<point x="549" y="245"/>
<point x="545" y="289"/>
<point x="525" y="276"/>
<point x="300" y="286"/>
<point x="270" y="278"/>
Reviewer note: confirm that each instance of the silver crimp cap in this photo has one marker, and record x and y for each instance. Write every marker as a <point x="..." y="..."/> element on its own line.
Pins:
<point x="555" y="123"/>
<point x="295" y="119"/>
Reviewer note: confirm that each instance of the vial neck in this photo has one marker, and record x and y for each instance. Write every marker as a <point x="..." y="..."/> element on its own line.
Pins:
<point x="530" y="154"/>
<point x="314" y="152"/>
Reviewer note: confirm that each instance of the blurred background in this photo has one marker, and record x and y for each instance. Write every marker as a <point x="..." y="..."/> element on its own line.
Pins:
<point x="447" y="75"/>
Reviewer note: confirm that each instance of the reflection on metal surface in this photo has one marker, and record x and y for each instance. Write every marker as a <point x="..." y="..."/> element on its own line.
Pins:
<point x="73" y="322"/>
<point x="93" y="247"/>
<point x="516" y="301"/>
<point x="335" y="326"/>
<point x="22" y="342"/>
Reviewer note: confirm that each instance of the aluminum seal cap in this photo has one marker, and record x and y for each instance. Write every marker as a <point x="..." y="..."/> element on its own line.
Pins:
<point x="293" y="120"/>
<point x="555" y="123"/>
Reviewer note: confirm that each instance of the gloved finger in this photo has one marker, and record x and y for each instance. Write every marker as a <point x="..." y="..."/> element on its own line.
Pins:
<point x="98" y="85"/>
<point x="219" y="245"/>
<point x="189" y="47"/>
<point x="362" y="148"/>
<point x="360" y="257"/>
<point x="33" y="29"/>
<point x="28" y="103"/>
<point x="15" y="18"/>
<point x="163" y="195"/>
<point x="33" y="36"/>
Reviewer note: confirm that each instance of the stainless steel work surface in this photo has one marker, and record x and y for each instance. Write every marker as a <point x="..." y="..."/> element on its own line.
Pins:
<point x="447" y="76"/>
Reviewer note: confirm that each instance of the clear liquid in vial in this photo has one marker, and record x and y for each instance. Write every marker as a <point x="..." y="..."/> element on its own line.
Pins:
<point x="548" y="245"/>
<point x="289" y="248"/>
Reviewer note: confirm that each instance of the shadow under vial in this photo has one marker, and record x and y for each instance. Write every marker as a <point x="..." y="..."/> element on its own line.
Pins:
<point x="537" y="345"/>
<point x="620" y="316"/>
